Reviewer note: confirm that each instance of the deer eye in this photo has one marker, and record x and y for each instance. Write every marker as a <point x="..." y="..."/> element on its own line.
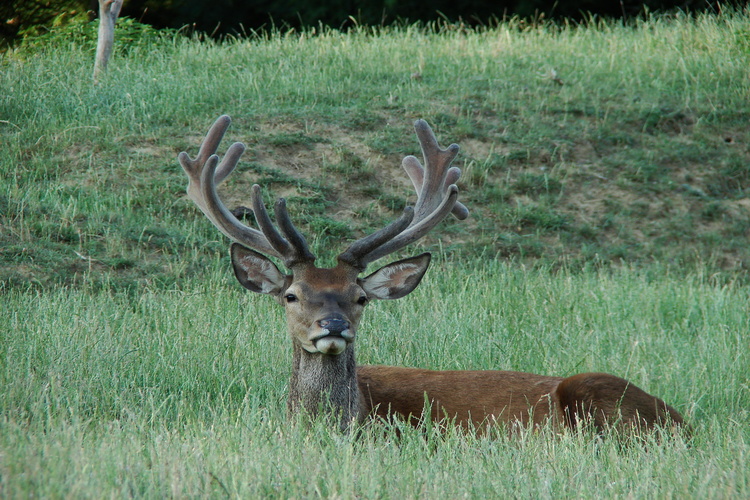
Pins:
<point x="362" y="300"/>
<point x="290" y="297"/>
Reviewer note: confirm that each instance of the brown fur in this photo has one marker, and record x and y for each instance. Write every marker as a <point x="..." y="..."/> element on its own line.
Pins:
<point x="477" y="398"/>
<point x="606" y="400"/>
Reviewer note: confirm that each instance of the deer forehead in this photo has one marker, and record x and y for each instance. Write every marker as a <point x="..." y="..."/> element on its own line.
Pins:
<point x="325" y="284"/>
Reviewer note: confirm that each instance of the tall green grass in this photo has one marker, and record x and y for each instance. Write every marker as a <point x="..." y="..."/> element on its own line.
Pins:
<point x="182" y="393"/>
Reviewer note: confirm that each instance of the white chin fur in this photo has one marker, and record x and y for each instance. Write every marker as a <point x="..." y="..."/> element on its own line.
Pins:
<point x="331" y="345"/>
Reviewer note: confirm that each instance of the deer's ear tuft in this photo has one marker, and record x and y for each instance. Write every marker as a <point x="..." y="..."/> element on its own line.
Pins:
<point x="397" y="279"/>
<point x="256" y="272"/>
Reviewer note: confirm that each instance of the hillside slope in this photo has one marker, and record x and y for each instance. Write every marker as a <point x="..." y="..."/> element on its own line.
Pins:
<point x="579" y="145"/>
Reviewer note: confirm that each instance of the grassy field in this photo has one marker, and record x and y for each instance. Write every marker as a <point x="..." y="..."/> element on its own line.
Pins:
<point x="606" y="168"/>
<point x="182" y="393"/>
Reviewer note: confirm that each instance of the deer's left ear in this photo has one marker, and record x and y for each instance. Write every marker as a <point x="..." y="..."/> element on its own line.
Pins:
<point x="397" y="279"/>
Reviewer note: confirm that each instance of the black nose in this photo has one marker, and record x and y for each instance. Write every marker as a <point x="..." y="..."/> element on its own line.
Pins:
<point x="334" y="326"/>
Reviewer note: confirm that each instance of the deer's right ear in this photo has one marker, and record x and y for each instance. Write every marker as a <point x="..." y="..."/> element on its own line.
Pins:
<point x="256" y="272"/>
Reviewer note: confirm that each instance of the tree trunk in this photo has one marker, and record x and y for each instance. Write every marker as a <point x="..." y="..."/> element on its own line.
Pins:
<point x="108" y="12"/>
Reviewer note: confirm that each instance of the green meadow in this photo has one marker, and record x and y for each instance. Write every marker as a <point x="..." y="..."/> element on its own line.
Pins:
<point x="607" y="169"/>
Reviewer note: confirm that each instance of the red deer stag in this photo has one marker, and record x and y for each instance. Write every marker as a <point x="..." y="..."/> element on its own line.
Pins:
<point x="324" y="306"/>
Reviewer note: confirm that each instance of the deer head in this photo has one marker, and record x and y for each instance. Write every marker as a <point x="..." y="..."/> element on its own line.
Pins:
<point x="324" y="305"/>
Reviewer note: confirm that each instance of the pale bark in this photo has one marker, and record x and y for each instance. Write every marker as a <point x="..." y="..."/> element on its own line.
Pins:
<point x="108" y="12"/>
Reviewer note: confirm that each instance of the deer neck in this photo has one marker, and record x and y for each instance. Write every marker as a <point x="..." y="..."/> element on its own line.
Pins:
<point x="325" y="384"/>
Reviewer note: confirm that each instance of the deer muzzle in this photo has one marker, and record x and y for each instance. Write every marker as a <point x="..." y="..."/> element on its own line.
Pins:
<point x="333" y="336"/>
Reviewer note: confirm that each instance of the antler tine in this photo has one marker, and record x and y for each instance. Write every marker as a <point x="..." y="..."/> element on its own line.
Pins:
<point x="293" y="249"/>
<point x="433" y="181"/>
<point x="437" y="196"/>
<point x="205" y="173"/>
<point x="209" y="146"/>
<point x="298" y="252"/>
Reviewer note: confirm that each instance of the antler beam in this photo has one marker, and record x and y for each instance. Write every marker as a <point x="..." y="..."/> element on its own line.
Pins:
<point x="205" y="173"/>
<point x="437" y="193"/>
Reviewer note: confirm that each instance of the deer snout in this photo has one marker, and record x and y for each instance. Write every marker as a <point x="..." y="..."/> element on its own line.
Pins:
<point x="333" y="336"/>
<point x="335" y="326"/>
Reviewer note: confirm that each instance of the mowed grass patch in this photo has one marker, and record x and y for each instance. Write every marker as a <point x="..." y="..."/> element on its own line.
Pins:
<point x="183" y="393"/>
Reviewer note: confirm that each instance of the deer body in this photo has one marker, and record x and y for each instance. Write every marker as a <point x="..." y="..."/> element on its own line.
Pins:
<point x="486" y="396"/>
<point x="475" y="398"/>
<point x="323" y="308"/>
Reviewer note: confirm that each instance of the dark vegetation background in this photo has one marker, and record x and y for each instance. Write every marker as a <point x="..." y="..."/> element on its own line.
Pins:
<point x="234" y="17"/>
